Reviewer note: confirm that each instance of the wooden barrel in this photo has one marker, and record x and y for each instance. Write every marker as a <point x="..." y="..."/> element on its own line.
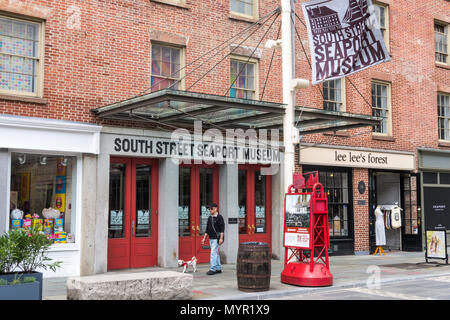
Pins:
<point x="253" y="266"/>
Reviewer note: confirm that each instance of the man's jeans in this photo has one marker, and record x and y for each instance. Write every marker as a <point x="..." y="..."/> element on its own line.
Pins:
<point x="215" y="258"/>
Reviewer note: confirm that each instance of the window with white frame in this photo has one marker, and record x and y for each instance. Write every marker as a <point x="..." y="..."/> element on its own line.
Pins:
<point x="333" y="95"/>
<point x="166" y="67"/>
<point x="244" y="7"/>
<point x="443" y="104"/>
<point x="43" y="194"/>
<point x="441" y="42"/>
<point x="381" y="106"/>
<point x="20" y="56"/>
<point x="243" y="79"/>
<point x="382" y="14"/>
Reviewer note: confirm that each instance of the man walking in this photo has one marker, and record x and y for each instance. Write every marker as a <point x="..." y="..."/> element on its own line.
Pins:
<point x="215" y="228"/>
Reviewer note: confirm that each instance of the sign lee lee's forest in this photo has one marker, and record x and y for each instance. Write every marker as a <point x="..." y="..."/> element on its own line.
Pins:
<point x="344" y="38"/>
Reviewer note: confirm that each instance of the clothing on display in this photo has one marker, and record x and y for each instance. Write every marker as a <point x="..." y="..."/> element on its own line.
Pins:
<point x="396" y="220"/>
<point x="380" y="233"/>
<point x="392" y="216"/>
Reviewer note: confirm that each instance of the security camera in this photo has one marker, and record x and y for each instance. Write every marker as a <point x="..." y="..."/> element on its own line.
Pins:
<point x="273" y="44"/>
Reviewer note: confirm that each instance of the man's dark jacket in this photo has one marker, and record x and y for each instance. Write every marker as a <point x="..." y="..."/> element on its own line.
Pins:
<point x="219" y="226"/>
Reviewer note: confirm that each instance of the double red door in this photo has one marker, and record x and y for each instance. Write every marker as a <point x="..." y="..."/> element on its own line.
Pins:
<point x="198" y="188"/>
<point x="133" y="205"/>
<point x="255" y="205"/>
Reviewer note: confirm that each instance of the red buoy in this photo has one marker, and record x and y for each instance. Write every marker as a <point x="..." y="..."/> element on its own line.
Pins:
<point x="306" y="234"/>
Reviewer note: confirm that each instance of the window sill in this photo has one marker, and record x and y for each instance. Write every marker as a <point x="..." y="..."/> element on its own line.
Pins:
<point x="444" y="143"/>
<point x="442" y="65"/>
<point x="383" y="138"/>
<point x="241" y="18"/>
<point x="172" y="3"/>
<point x="23" y="99"/>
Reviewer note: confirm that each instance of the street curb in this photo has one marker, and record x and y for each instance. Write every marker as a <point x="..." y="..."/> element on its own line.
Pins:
<point x="308" y="290"/>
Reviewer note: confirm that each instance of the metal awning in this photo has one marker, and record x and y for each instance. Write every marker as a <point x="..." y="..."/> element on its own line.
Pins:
<point x="177" y="108"/>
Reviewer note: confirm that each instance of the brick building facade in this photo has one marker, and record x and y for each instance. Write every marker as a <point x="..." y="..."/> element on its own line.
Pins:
<point x="90" y="54"/>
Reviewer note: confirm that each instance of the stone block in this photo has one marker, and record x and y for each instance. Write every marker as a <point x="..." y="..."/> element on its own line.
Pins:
<point x="159" y="285"/>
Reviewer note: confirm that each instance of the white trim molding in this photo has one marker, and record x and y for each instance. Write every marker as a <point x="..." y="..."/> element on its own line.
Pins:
<point x="27" y="133"/>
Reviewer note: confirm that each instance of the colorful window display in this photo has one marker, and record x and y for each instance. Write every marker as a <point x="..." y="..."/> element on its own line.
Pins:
<point x="19" y="55"/>
<point x="41" y="192"/>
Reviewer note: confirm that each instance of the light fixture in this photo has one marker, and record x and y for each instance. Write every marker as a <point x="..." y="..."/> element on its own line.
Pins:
<point x="43" y="160"/>
<point x="22" y="159"/>
<point x="299" y="84"/>
<point x="64" y="161"/>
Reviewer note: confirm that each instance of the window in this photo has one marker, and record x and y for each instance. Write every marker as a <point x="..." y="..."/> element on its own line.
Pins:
<point x="441" y="42"/>
<point x="382" y="13"/>
<point x="166" y="65"/>
<point x="381" y="97"/>
<point x="246" y="8"/>
<point x="42" y="194"/>
<point x="336" y="186"/>
<point x="443" y="104"/>
<point x="21" y="69"/>
<point x="243" y="80"/>
<point x="333" y="95"/>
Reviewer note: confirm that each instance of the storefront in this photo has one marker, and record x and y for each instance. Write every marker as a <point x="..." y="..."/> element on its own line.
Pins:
<point x="161" y="182"/>
<point x="42" y="181"/>
<point x="155" y="197"/>
<point x="434" y="166"/>
<point x="357" y="181"/>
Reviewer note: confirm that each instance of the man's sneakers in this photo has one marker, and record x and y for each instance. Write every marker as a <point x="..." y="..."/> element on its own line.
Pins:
<point x="211" y="272"/>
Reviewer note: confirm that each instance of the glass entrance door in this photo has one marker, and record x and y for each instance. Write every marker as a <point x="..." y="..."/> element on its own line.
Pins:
<point x="255" y="205"/>
<point x="198" y="188"/>
<point x="132" y="213"/>
<point x="411" y="217"/>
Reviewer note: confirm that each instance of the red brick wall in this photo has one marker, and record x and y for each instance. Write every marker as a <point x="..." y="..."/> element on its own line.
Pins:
<point x="361" y="212"/>
<point x="413" y="74"/>
<point x="108" y="59"/>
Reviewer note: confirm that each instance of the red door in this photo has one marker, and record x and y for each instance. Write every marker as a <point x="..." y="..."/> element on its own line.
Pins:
<point x="133" y="205"/>
<point x="255" y="205"/>
<point x="198" y="188"/>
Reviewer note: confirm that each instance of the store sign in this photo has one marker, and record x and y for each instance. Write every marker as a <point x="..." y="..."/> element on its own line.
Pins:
<point x="436" y="207"/>
<point x="179" y="149"/>
<point x="344" y="37"/>
<point x="356" y="158"/>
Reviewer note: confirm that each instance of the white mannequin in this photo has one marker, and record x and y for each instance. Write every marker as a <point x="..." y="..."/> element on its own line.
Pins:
<point x="380" y="232"/>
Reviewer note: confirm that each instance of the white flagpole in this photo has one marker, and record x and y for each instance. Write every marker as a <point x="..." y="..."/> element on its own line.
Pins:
<point x="288" y="92"/>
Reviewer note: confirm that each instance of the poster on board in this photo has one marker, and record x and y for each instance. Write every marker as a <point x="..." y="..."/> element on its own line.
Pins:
<point x="436" y="244"/>
<point x="297" y="221"/>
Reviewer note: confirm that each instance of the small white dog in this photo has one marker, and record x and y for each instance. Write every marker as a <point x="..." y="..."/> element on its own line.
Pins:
<point x="186" y="264"/>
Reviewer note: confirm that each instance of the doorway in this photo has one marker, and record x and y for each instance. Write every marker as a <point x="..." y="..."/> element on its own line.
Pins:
<point x="389" y="188"/>
<point x="133" y="209"/>
<point x="255" y="205"/>
<point x="198" y="188"/>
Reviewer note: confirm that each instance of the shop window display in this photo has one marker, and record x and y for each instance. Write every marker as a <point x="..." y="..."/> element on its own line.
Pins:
<point x="41" y="193"/>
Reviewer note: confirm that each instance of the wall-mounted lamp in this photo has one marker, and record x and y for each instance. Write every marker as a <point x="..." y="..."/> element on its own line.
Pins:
<point x="43" y="160"/>
<point x="64" y="161"/>
<point x="22" y="159"/>
<point x="299" y="84"/>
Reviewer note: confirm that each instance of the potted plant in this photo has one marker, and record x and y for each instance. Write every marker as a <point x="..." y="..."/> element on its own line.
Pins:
<point x="22" y="253"/>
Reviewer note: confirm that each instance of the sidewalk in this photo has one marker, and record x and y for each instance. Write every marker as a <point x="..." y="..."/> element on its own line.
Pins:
<point x="348" y="271"/>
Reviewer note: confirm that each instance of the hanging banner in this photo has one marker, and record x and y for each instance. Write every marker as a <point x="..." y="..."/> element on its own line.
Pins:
<point x="344" y="38"/>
